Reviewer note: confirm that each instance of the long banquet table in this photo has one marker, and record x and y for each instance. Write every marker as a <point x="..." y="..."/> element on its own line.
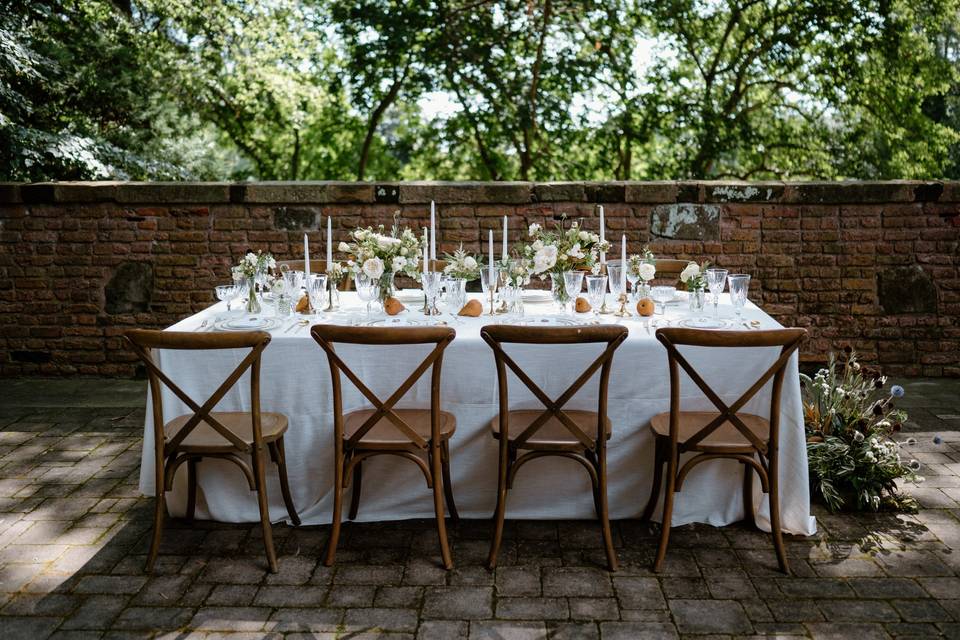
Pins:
<point x="295" y="380"/>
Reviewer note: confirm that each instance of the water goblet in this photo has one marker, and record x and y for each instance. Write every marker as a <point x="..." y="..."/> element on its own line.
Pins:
<point x="366" y="290"/>
<point x="716" y="278"/>
<point x="596" y="290"/>
<point x="317" y="290"/>
<point x="226" y="293"/>
<point x="293" y="283"/>
<point x="572" y="285"/>
<point x="431" y="287"/>
<point x="739" y="285"/>
<point x="633" y="277"/>
<point x="663" y="295"/>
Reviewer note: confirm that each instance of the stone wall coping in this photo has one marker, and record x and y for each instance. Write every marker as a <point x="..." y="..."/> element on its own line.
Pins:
<point x="518" y="193"/>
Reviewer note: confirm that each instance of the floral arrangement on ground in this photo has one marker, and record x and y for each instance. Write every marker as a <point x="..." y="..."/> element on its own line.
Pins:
<point x="850" y="419"/>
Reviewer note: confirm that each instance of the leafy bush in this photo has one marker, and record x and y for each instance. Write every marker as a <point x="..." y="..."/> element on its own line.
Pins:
<point x="849" y="418"/>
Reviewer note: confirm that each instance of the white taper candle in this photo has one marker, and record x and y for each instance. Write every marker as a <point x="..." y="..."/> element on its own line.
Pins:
<point x="433" y="231"/>
<point x="603" y="237"/>
<point x="426" y="252"/>
<point x="329" y="242"/>
<point x="623" y="263"/>
<point x="503" y="253"/>
<point x="306" y="256"/>
<point x="490" y="249"/>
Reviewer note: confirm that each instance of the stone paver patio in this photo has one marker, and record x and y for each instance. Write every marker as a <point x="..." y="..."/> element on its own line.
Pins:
<point x="74" y="533"/>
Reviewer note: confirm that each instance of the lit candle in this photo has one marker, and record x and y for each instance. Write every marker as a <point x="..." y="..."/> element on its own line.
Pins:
<point x="603" y="237"/>
<point x="503" y="253"/>
<point x="306" y="256"/>
<point x="490" y="248"/>
<point x="623" y="263"/>
<point x="426" y="253"/>
<point x="329" y="242"/>
<point x="433" y="231"/>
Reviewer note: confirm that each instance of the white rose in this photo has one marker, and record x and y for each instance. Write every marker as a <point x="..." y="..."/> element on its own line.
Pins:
<point x="399" y="262"/>
<point x="538" y="245"/>
<point x="373" y="268"/>
<point x="647" y="271"/>
<point x="584" y="236"/>
<point x="470" y="263"/>
<point x="692" y="270"/>
<point x="343" y="247"/>
<point x="575" y="251"/>
<point x="533" y="229"/>
<point x="545" y="259"/>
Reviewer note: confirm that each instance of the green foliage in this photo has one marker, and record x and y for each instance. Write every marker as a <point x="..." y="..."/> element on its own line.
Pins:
<point x="556" y="89"/>
<point x="854" y="462"/>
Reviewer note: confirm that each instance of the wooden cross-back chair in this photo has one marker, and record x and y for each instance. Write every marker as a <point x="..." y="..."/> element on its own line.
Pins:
<point x="669" y="268"/>
<point x="385" y="430"/>
<point x="525" y="435"/>
<point x="316" y="266"/>
<point x="727" y="433"/>
<point x="205" y="433"/>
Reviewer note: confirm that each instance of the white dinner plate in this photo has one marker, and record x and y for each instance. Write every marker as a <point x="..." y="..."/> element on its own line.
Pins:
<point x="537" y="295"/>
<point x="409" y="295"/>
<point x="548" y="321"/>
<point x="705" y="323"/>
<point x="395" y="322"/>
<point x="247" y="323"/>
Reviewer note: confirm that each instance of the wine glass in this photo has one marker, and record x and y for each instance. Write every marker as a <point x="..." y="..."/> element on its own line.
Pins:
<point x="663" y="295"/>
<point x="739" y="284"/>
<point x="317" y="289"/>
<point x="572" y="285"/>
<point x="293" y="283"/>
<point x="716" y="278"/>
<point x="632" y="277"/>
<point x="431" y="287"/>
<point x="226" y="293"/>
<point x="614" y="273"/>
<point x="366" y="290"/>
<point x="596" y="289"/>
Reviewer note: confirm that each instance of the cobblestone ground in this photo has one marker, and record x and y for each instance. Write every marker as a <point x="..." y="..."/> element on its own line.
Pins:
<point x="74" y="531"/>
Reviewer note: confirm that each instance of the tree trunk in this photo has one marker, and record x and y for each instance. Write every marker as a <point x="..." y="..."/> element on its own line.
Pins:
<point x="374" y="121"/>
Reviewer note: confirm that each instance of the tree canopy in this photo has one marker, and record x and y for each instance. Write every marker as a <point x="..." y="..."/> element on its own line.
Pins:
<point x="479" y="89"/>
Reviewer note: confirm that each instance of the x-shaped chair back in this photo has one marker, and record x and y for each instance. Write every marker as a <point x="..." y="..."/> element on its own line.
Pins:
<point x="328" y="335"/>
<point x="498" y="335"/>
<point x="143" y="341"/>
<point x="787" y="339"/>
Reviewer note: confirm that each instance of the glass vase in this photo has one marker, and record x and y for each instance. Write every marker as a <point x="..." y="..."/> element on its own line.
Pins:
<point x="385" y="287"/>
<point x="515" y="299"/>
<point x="559" y="291"/>
<point x="253" y="304"/>
<point x="456" y="294"/>
<point x="697" y="299"/>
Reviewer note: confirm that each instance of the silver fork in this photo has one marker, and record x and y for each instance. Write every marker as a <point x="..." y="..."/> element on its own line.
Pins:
<point x="202" y="326"/>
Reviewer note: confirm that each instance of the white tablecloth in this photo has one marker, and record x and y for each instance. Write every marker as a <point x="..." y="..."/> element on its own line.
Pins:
<point x="295" y="380"/>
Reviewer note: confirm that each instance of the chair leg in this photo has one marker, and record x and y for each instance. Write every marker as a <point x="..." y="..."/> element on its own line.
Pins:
<point x="259" y="476"/>
<point x="657" y="482"/>
<point x="667" y="510"/>
<point x="280" y="457"/>
<point x="355" y="492"/>
<point x="436" y="472"/>
<point x="775" y="529"/>
<point x="331" y="550"/>
<point x="447" y="484"/>
<point x="503" y="469"/>
<point x="159" y="513"/>
<point x="748" y="515"/>
<point x="191" y="489"/>
<point x="604" y="513"/>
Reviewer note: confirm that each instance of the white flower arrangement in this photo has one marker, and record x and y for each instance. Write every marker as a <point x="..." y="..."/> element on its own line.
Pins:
<point x="462" y="265"/>
<point x="337" y="271"/>
<point x="562" y="249"/>
<point x="253" y="264"/>
<point x="642" y="266"/>
<point x="516" y="271"/>
<point x="693" y="275"/>
<point x="379" y="254"/>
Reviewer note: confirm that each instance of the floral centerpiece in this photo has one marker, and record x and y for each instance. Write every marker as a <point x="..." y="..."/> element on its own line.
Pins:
<point x="251" y="267"/>
<point x="381" y="256"/>
<point x="849" y="420"/>
<point x="462" y="266"/>
<point x="552" y="252"/>
<point x="695" y="281"/>
<point x="642" y="267"/>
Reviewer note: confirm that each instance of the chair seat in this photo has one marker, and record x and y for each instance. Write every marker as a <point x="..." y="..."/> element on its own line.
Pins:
<point x="386" y="435"/>
<point x="553" y="434"/>
<point x="205" y="439"/>
<point x="726" y="437"/>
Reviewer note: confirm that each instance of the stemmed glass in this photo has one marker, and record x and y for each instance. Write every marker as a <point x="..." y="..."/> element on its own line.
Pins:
<point x="614" y="272"/>
<point x="226" y="293"/>
<point x="488" y="284"/>
<point x="293" y="283"/>
<point x="663" y="295"/>
<point x="431" y="287"/>
<point x="572" y="284"/>
<point x="317" y="289"/>
<point x="632" y="277"/>
<point x="739" y="284"/>
<point x="366" y="290"/>
<point x="596" y="289"/>
<point x="716" y="278"/>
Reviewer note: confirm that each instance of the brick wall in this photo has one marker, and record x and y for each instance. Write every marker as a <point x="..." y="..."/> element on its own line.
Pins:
<point x="874" y="265"/>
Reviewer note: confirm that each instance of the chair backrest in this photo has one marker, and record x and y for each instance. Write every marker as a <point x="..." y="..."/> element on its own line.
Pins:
<point x="438" y="265"/>
<point x="144" y="341"/>
<point x="316" y="266"/>
<point x="327" y="336"/>
<point x="787" y="339"/>
<point x="670" y="268"/>
<point x="498" y="335"/>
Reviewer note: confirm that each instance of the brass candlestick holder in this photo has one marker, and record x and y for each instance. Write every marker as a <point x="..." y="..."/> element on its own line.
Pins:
<point x="493" y="311"/>
<point x="604" y="309"/>
<point x="331" y="295"/>
<point x="622" y="311"/>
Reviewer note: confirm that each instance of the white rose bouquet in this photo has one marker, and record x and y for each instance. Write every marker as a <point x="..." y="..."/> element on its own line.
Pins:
<point x="560" y="249"/>
<point x="692" y="275"/>
<point x="462" y="265"/>
<point x="253" y="264"/>
<point x="380" y="256"/>
<point x="642" y="266"/>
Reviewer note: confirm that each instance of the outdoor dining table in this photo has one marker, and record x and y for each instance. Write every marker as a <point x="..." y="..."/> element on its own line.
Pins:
<point x="295" y="381"/>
